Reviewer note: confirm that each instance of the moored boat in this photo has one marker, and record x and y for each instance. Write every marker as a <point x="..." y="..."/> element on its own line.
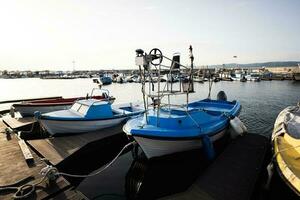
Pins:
<point x="296" y="73"/>
<point x="286" y="143"/>
<point x="105" y="80"/>
<point x="87" y="115"/>
<point x="27" y="108"/>
<point x="169" y="128"/>
<point x="182" y="129"/>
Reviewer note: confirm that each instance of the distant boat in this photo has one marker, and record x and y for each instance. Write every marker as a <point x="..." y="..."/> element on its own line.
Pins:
<point x="129" y="79"/>
<point x="87" y="115"/>
<point x="120" y="79"/>
<point x="253" y="77"/>
<point x="198" y="79"/>
<point x="243" y="79"/>
<point x="105" y="80"/>
<point x="296" y="73"/>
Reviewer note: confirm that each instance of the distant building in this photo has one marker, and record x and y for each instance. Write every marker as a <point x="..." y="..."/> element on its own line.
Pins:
<point x="280" y="70"/>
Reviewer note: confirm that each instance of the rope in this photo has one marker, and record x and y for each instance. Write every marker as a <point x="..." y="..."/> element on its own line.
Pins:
<point x="101" y="169"/>
<point x="286" y="149"/>
<point x="22" y="191"/>
<point x="51" y="173"/>
<point x="187" y="112"/>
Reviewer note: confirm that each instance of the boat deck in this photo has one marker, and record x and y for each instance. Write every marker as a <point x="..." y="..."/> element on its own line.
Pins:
<point x="14" y="167"/>
<point x="233" y="175"/>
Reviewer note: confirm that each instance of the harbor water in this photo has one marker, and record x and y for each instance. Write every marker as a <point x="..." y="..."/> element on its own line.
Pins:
<point x="261" y="101"/>
<point x="132" y="176"/>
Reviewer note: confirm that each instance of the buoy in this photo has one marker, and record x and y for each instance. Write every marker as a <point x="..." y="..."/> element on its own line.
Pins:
<point x="238" y="128"/>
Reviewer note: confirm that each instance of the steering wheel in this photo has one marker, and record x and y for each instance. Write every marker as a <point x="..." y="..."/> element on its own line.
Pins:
<point x="156" y="54"/>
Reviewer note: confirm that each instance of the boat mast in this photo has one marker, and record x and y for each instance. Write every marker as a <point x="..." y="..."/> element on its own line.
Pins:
<point x="191" y="85"/>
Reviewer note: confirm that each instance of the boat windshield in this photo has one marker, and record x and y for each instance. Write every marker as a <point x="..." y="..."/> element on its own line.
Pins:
<point x="76" y="106"/>
<point x="83" y="109"/>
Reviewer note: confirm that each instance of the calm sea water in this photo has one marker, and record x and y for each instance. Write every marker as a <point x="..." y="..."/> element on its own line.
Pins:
<point x="135" y="177"/>
<point x="261" y="101"/>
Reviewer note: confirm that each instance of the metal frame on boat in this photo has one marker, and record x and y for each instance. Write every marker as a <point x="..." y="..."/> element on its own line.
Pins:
<point x="167" y="128"/>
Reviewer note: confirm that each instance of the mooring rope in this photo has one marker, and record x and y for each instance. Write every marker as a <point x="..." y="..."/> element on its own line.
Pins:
<point x="51" y="173"/>
<point x="101" y="169"/>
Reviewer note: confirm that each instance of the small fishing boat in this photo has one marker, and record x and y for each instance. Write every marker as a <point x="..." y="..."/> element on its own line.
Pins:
<point x="198" y="79"/>
<point x="243" y="79"/>
<point x="286" y="146"/>
<point x="27" y="108"/>
<point x="296" y="73"/>
<point x="87" y="115"/>
<point x="169" y="128"/>
<point x="105" y="80"/>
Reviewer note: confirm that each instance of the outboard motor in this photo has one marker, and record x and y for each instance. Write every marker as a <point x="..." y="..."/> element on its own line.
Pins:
<point x="37" y="115"/>
<point x="221" y="96"/>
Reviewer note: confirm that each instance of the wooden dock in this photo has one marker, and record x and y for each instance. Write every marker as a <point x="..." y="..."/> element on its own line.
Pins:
<point x="14" y="167"/>
<point x="17" y="123"/>
<point x="233" y="175"/>
<point x="57" y="149"/>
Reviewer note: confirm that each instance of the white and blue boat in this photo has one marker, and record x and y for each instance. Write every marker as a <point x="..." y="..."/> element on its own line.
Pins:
<point x="182" y="129"/>
<point x="167" y="128"/>
<point x="87" y="115"/>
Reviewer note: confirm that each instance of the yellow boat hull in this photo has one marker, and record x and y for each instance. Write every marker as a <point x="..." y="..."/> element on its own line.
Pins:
<point x="287" y="154"/>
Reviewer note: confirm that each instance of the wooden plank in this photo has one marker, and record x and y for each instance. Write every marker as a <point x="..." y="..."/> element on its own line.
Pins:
<point x="16" y="123"/>
<point x="48" y="188"/>
<point x="57" y="149"/>
<point x="70" y="195"/>
<point x="25" y="150"/>
<point x="13" y="168"/>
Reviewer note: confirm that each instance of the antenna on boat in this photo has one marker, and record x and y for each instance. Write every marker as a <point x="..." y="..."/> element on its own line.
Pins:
<point x="141" y="61"/>
<point x="190" y="80"/>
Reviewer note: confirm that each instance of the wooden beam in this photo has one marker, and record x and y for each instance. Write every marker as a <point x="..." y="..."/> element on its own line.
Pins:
<point x="25" y="150"/>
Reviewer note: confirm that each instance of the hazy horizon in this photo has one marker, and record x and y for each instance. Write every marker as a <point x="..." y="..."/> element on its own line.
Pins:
<point x="38" y="35"/>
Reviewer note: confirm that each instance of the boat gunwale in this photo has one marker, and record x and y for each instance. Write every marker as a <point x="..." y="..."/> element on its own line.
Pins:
<point x="84" y="119"/>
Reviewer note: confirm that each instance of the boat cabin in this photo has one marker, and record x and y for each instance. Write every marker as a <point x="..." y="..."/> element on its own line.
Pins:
<point x="93" y="109"/>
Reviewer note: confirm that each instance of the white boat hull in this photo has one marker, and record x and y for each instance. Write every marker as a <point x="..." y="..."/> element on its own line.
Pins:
<point x="160" y="147"/>
<point x="297" y="76"/>
<point x="55" y="127"/>
<point x="29" y="110"/>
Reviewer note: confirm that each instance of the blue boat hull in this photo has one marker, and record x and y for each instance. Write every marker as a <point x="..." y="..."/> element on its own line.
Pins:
<point x="157" y="147"/>
<point x="176" y="130"/>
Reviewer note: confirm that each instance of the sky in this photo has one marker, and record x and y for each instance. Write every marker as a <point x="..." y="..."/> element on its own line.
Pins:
<point x="99" y="34"/>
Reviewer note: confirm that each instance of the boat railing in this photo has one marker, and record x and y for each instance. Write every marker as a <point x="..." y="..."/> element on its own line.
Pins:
<point x="151" y="64"/>
<point x="100" y="89"/>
